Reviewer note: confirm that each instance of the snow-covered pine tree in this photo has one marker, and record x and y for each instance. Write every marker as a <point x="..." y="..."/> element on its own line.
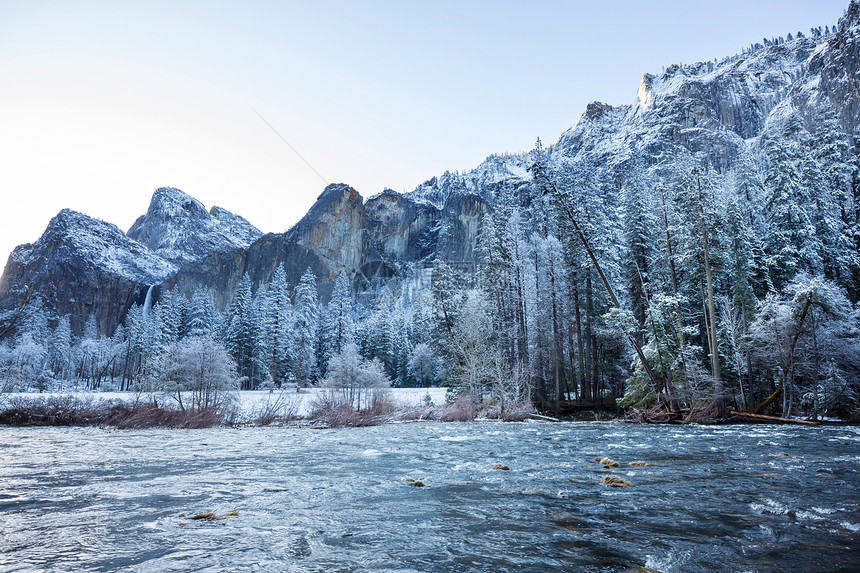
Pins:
<point x="339" y="318"/>
<point x="239" y="338"/>
<point x="791" y="243"/>
<point x="306" y="314"/>
<point x="202" y="316"/>
<point x="829" y="172"/>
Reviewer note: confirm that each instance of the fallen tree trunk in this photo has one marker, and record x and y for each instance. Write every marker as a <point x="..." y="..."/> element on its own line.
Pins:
<point x="543" y="418"/>
<point x="777" y="419"/>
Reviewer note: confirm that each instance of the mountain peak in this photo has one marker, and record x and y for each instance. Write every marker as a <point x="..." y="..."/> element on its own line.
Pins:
<point x="170" y="200"/>
<point x="596" y="109"/>
<point x="337" y="189"/>
<point x="179" y="228"/>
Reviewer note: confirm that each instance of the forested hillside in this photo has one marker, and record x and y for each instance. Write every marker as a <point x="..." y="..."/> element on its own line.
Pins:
<point x="694" y="252"/>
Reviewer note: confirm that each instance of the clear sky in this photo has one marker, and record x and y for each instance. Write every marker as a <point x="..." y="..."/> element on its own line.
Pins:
<point x="103" y="102"/>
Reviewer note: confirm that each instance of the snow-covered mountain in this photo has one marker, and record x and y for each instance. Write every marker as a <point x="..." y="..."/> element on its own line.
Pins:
<point x="719" y="110"/>
<point x="88" y="267"/>
<point x="178" y="228"/>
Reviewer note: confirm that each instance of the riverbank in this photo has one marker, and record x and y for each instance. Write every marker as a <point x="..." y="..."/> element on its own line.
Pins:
<point x="315" y="407"/>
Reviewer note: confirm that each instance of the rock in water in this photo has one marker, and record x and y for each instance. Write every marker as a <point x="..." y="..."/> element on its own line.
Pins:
<point x="615" y="481"/>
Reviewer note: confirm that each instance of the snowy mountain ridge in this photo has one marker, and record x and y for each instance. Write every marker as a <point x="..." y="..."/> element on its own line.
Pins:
<point x="98" y="243"/>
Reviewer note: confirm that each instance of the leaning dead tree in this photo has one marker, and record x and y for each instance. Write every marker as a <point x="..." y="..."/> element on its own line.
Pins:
<point x="548" y="186"/>
<point x="29" y="305"/>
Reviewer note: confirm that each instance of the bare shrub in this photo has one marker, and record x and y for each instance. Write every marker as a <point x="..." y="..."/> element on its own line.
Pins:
<point x="411" y="413"/>
<point x="77" y="411"/>
<point x="56" y="411"/>
<point x="511" y="412"/>
<point x="151" y="416"/>
<point x="336" y="414"/>
<point x="277" y="408"/>
<point x="460" y="410"/>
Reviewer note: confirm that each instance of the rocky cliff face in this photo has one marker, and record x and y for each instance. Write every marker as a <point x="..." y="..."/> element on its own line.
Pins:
<point x="717" y="109"/>
<point x="836" y="63"/>
<point x="87" y="267"/>
<point x="709" y="108"/>
<point x="340" y="233"/>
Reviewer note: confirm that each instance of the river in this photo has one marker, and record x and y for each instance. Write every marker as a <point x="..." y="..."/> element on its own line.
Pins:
<point x="713" y="498"/>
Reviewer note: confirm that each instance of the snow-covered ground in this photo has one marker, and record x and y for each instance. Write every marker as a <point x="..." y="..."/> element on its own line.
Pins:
<point x="254" y="401"/>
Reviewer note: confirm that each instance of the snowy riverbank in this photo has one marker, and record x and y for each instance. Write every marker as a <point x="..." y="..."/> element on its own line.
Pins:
<point x="251" y="402"/>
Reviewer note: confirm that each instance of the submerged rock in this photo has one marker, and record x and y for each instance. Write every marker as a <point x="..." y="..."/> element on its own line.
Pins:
<point x="415" y="482"/>
<point x="638" y="464"/>
<point x="607" y="462"/>
<point x="501" y="467"/>
<point x="209" y="516"/>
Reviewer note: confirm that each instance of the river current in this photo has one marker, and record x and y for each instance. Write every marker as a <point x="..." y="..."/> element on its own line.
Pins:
<point x="713" y="498"/>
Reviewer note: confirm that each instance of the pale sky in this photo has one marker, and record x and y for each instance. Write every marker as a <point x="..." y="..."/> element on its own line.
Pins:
<point x="103" y="102"/>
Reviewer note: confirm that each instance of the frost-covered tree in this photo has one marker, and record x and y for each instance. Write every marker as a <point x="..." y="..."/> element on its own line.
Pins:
<point x="61" y="342"/>
<point x="804" y="335"/>
<point x="306" y="330"/>
<point x="240" y="333"/>
<point x="202" y="316"/>
<point x="201" y="373"/>
<point x="791" y="243"/>
<point x="424" y="365"/>
<point x="474" y="351"/>
<point x="339" y="322"/>
<point x="359" y="383"/>
<point x="172" y="313"/>
<point x="828" y="171"/>
<point x="281" y="327"/>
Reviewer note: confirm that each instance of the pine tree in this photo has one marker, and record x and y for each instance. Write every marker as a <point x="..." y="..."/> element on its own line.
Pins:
<point x="339" y="322"/>
<point x="240" y="332"/>
<point x="282" y="328"/>
<point x="61" y="348"/>
<point x="828" y="172"/>
<point x="445" y="304"/>
<point x="172" y="312"/>
<point x="790" y="243"/>
<point x="306" y="330"/>
<point x="202" y="315"/>
<point x="264" y="319"/>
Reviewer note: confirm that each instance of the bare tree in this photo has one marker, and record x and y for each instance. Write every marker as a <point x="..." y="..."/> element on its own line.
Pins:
<point x="202" y="374"/>
<point x="352" y="380"/>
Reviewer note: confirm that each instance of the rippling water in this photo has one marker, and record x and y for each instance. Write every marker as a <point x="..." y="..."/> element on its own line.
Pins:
<point x="733" y="498"/>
